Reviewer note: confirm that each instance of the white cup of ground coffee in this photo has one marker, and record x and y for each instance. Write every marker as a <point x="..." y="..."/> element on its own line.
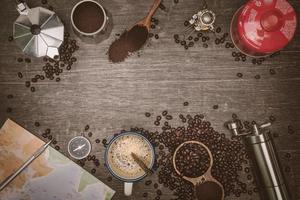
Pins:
<point x="91" y="22"/>
<point x="120" y="163"/>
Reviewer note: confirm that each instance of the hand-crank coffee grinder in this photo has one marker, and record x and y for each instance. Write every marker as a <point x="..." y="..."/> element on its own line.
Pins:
<point x="265" y="160"/>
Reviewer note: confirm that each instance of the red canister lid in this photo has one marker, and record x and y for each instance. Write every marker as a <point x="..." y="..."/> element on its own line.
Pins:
<point x="266" y="26"/>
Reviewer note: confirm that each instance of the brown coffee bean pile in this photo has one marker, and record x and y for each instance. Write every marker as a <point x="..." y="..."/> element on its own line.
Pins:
<point x="238" y="56"/>
<point x="229" y="155"/>
<point x="54" y="67"/>
<point x="192" y="160"/>
<point x="192" y="39"/>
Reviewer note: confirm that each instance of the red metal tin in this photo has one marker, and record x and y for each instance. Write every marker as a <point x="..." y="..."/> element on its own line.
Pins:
<point x="262" y="27"/>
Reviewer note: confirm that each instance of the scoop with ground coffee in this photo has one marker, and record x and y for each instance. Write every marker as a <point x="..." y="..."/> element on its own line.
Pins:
<point x="129" y="42"/>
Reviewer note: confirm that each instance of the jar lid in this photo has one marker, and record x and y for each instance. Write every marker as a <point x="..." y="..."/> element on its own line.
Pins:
<point x="266" y="26"/>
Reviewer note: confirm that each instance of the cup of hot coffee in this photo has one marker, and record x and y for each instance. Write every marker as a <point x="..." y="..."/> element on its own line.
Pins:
<point x="120" y="163"/>
<point x="91" y="22"/>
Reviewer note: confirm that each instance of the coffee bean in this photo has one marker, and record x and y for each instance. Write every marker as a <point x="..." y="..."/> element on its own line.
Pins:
<point x="158" y="192"/>
<point x="50" y="137"/>
<point x="288" y="156"/>
<point x="10" y="38"/>
<point x="27" y="60"/>
<point x="147" y="114"/>
<point x="20" y="60"/>
<point x="162" y="6"/>
<point x="258" y="62"/>
<point x="199" y="35"/>
<point x="87" y="127"/>
<point x="152" y="26"/>
<point x="44" y="1"/>
<point x="287" y="169"/>
<point x="196" y="39"/>
<point x="186" y="23"/>
<point x="205" y="45"/>
<point x="97" y="141"/>
<point x="203" y="39"/>
<point x="54" y="142"/>
<point x="57" y="148"/>
<point x="272" y="118"/>
<point x="257" y="76"/>
<point x="156" y="123"/>
<point x="32" y="89"/>
<point x="186" y="47"/>
<point x="156" y="36"/>
<point x="185" y="103"/>
<point x="20" y="75"/>
<point x="57" y="79"/>
<point x="290" y="129"/>
<point x="104" y="141"/>
<point x="37" y="124"/>
<point x="9" y="110"/>
<point x="109" y="179"/>
<point x="169" y="117"/>
<point x="240" y="75"/>
<point x="218" y="30"/>
<point x="217" y="41"/>
<point x="90" y="134"/>
<point x="155" y="185"/>
<point x="191" y="44"/>
<point x="148" y="182"/>
<point x="50" y="8"/>
<point x="93" y="171"/>
<point x="215" y="107"/>
<point x="48" y="131"/>
<point x="145" y="194"/>
<point x="272" y="71"/>
<point x="27" y="83"/>
<point x="158" y="118"/>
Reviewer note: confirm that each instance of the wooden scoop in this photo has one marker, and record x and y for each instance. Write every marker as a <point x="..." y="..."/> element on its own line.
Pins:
<point x="146" y="22"/>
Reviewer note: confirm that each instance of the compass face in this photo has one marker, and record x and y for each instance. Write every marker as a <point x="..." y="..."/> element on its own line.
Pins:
<point x="79" y="147"/>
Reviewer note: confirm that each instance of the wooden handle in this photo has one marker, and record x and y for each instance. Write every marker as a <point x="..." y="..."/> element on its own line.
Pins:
<point x="153" y="9"/>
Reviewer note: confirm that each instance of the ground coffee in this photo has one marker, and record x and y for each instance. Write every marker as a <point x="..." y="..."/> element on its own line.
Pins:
<point x="88" y="17"/>
<point x="129" y="42"/>
<point x="208" y="191"/>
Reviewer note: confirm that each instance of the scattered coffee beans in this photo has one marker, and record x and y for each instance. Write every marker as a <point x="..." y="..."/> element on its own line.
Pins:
<point x="229" y="156"/>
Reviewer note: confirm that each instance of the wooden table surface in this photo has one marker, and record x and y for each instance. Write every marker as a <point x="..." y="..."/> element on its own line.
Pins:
<point x="111" y="97"/>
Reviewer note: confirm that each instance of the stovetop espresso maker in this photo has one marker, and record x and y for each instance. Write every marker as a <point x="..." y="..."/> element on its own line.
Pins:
<point x="38" y="31"/>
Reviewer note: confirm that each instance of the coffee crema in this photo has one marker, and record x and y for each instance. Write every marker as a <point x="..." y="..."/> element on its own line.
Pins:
<point x="120" y="160"/>
<point x="88" y="17"/>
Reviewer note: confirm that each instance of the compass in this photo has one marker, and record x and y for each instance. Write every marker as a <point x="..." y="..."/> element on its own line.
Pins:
<point x="79" y="147"/>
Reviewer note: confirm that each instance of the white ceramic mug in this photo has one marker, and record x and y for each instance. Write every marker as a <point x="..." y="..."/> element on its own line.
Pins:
<point x="128" y="182"/>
